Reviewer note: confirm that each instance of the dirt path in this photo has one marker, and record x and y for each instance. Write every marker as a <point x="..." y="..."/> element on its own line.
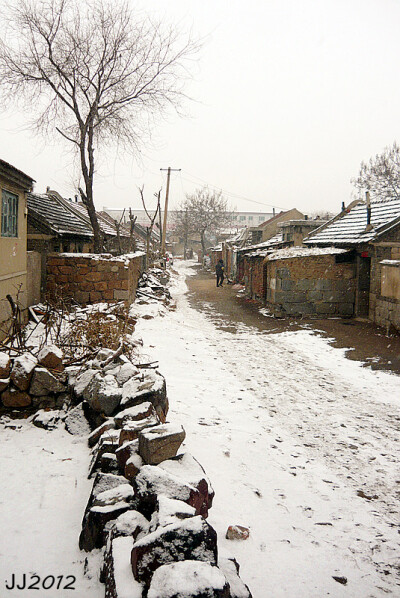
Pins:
<point x="364" y="341"/>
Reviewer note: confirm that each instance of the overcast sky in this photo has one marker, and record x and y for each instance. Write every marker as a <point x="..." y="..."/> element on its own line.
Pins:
<point x="290" y="96"/>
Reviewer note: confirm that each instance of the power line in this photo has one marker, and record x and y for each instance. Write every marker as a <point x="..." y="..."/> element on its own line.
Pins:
<point x="230" y="193"/>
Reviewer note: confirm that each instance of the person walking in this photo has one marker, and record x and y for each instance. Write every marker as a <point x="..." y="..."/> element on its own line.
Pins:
<point x="219" y="269"/>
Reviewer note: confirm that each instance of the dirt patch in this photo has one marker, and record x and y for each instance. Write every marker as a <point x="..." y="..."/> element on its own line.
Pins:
<point x="230" y="309"/>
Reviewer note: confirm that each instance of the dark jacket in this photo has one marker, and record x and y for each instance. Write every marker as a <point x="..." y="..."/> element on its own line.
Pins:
<point x="219" y="268"/>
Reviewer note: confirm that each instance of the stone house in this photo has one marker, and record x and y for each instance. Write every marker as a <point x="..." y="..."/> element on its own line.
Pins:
<point x="269" y="228"/>
<point x="13" y="255"/>
<point x="309" y="281"/>
<point x="294" y="231"/>
<point x="372" y="233"/>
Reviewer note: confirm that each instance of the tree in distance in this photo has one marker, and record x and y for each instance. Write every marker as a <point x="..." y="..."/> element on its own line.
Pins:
<point x="95" y="72"/>
<point x="205" y="212"/>
<point x="380" y="175"/>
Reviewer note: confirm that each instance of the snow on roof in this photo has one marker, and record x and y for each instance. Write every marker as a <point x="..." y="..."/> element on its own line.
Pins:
<point x="55" y="215"/>
<point x="262" y="249"/>
<point x="395" y="263"/>
<point x="293" y="252"/>
<point x="350" y="227"/>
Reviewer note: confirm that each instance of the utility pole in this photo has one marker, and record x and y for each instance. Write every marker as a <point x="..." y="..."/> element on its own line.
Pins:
<point x="164" y="229"/>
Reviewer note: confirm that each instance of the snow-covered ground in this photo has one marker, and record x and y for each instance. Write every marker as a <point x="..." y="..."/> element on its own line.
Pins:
<point x="43" y="493"/>
<point x="291" y="434"/>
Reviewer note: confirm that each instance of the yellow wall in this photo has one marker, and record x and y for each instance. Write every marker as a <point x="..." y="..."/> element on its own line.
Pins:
<point x="13" y="262"/>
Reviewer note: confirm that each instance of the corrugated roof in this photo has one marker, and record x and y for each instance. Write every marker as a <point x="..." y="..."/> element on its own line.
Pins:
<point x="351" y="227"/>
<point x="56" y="216"/>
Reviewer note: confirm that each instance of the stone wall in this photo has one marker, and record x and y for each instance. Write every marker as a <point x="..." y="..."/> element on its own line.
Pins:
<point x="90" y="278"/>
<point x="385" y="288"/>
<point x="311" y="285"/>
<point x="33" y="279"/>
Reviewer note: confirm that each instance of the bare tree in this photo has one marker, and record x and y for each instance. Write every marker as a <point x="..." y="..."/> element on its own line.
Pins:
<point x="381" y="175"/>
<point x="183" y="226"/>
<point x="117" y="225"/>
<point x="208" y="212"/>
<point x="152" y="219"/>
<point x="132" y="222"/>
<point x="95" y="72"/>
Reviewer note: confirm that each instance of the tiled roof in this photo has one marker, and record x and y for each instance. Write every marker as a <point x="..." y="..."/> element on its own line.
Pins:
<point x="350" y="228"/>
<point x="105" y="227"/>
<point x="262" y="249"/>
<point x="54" y="215"/>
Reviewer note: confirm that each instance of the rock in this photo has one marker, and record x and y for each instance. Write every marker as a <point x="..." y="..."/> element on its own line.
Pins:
<point x="230" y="568"/>
<point x="5" y="365"/>
<point x="80" y="382"/>
<point x="103" y="394"/>
<point x="191" y="538"/>
<point x="151" y="481"/>
<point x="95" y="435"/>
<point x="160" y="443"/>
<point x="108" y="463"/>
<point x="51" y="357"/>
<point x="93" y="524"/>
<point x="123" y="372"/>
<point x="133" y="466"/>
<point x="44" y="382"/>
<point x="125" y="451"/>
<point x="76" y="422"/>
<point x="107" y="444"/>
<point x="149" y="386"/>
<point x="4" y="382"/>
<point x="22" y="370"/>
<point x="93" y="534"/>
<point x="237" y="532"/>
<point x="340" y="579"/>
<point x="131" y="523"/>
<point x="191" y="579"/>
<point x="102" y="356"/>
<point x="117" y="573"/>
<point x="123" y="492"/>
<point x="12" y="397"/>
<point x="131" y="429"/>
<point x="46" y="419"/>
<point x="169" y="510"/>
<point x="63" y="400"/>
<point x="186" y="467"/>
<point x="134" y="414"/>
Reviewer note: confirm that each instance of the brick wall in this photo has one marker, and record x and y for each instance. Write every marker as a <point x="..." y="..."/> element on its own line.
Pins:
<point x="311" y="285"/>
<point x="384" y="310"/>
<point x="89" y="278"/>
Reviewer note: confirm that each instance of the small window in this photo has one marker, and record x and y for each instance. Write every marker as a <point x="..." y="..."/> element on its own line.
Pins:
<point x="242" y="218"/>
<point x="9" y="214"/>
<point x="250" y="218"/>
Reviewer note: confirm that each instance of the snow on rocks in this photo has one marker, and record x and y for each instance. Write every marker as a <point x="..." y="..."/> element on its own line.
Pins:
<point x="117" y="572"/>
<point x="230" y="568"/>
<point x="134" y="413"/>
<point x="22" y="370"/>
<point x="46" y="419"/>
<point x="45" y="383"/>
<point x="185" y="466"/>
<point x="191" y="538"/>
<point x="51" y="357"/>
<point x="76" y="422"/>
<point x="160" y="442"/>
<point x="149" y="385"/>
<point x="5" y="365"/>
<point x="170" y="510"/>
<point x="191" y="579"/>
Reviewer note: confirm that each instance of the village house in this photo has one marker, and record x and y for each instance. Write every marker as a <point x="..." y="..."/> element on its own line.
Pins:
<point x="269" y="228"/>
<point x="13" y="255"/>
<point x="370" y="231"/>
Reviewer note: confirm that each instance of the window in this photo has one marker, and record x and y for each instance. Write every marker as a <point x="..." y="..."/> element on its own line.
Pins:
<point x="250" y="218"/>
<point x="242" y="218"/>
<point x="9" y="214"/>
<point x="261" y="219"/>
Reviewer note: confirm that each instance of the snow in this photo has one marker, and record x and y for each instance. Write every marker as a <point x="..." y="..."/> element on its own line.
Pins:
<point x="288" y="430"/>
<point x="49" y="349"/>
<point x="125" y="584"/>
<point x="162" y="430"/>
<point x="291" y="252"/>
<point x="191" y="525"/>
<point x="185" y="578"/>
<point x="114" y="495"/>
<point x="43" y="495"/>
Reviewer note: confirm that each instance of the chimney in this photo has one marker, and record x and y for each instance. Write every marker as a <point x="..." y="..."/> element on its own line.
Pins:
<point x="368" y="202"/>
<point x="343" y="206"/>
<point x="305" y="217"/>
<point x="76" y="199"/>
<point x="47" y="189"/>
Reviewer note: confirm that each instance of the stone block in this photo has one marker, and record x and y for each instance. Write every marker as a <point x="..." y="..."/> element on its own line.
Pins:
<point x="230" y="568"/>
<point x="100" y="286"/>
<point x="160" y="442"/>
<point x="187" y="468"/>
<point x="191" y="579"/>
<point x="282" y="273"/>
<point x="5" y="365"/>
<point x="298" y="309"/>
<point x="345" y="309"/>
<point x="4" y="382"/>
<point x="191" y="538"/>
<point x="44" y="383"/>
<point x="99" y="431"/>
<point x="295" y="297"/>
<point x="132" y="429"/>
<point x="51" y="357"/>
<point x="95" y="296"/>
<point x="76" y="422"/>
<point x="149" y="386"/>
<point x="120" y="295"/>
<point x="135" y="413"/>
<point x="325" y="308"/>
<point x="22" y="370"/>
<point x="13" y="397"/>
<point x="314" y="295"/>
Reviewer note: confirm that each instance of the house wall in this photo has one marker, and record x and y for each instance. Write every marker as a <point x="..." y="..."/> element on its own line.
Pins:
<point x="384" y="303"/>
<point x="311" y="285"/>
<point x="13" y="260"/>
<point x="33" y="280"/>
<point x="270" y="229"/>
<point x="91" y="278"/>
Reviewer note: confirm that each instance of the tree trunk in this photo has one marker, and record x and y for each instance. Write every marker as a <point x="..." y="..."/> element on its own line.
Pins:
<point x="87" y="155"/>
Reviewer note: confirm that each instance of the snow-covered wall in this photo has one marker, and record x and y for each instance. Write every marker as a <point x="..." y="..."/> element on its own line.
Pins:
<point x="90" y="278"/>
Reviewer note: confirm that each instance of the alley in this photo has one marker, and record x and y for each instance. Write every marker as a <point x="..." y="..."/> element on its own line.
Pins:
<point x="300" y="443"/>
